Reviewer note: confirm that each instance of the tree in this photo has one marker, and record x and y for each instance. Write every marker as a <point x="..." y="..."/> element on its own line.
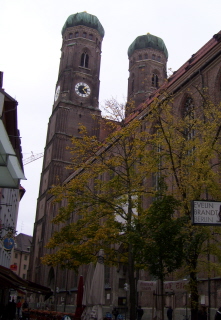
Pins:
<point x="101" y="202"/>
<point x="187" y="144"/>
<point x="162" y="241"/>
<point x="114" y="182"/>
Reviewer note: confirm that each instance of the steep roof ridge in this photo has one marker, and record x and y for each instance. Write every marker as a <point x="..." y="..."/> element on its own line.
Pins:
<point x="23" y="242"/>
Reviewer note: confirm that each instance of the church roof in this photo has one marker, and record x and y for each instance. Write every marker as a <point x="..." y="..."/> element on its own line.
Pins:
<point x="147" y="41"/>
<point x="83" y="19"/>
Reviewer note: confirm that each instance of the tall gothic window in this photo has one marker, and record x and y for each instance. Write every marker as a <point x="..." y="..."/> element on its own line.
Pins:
<point x="189" y="116"/>
<point x="132" y="83"/>
<point x="155" y="80"/>
<point x="84" y="60"/>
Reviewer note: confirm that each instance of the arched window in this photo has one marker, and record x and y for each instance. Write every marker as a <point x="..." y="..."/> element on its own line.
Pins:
<point x="132" y="83"/>
<point x="84" y="35"/>
<point x="153" y="57"/>
<point x="84" y="60"/>
<point x="70" y="35"/>
<point x="76" y="34"/>
<point x="146" y="56"/>
<point x="91" y="36"/>
<point x="155" y="81"/>
<point x="140" y="56"/>
<point x="188" y="114"/>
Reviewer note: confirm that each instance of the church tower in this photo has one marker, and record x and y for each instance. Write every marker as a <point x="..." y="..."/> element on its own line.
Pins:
<point x="147" y="68"/>
<point x="75" y="104"/>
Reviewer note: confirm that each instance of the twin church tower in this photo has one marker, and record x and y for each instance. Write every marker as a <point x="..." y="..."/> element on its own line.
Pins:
<point x="76" y="101"/>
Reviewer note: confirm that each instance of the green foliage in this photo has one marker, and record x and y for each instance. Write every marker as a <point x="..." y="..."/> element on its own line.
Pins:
<point x="162" y="251"/>
<point x="106" y="203"/>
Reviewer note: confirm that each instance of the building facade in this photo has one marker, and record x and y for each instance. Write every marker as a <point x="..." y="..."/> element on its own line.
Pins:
<point x="21" y="254"/>
<point x="11" y="171"/>
<point x="76" y="100"/>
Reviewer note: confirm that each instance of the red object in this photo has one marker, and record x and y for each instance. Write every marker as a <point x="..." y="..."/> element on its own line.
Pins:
<point x="13" y="267"/>
<point x="79" y="308"/>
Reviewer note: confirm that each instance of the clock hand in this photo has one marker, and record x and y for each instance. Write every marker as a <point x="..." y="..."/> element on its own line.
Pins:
<point x="85" y="90"/>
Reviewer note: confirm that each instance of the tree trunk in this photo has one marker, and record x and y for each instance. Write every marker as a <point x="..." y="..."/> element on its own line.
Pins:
<point x="132" y="292"/>
<point x="194" y="296"/>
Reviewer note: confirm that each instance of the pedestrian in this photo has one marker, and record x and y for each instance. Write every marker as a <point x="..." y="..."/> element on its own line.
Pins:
<point x="139" y="313"/>
<point x="18" y="307"/>
<point x="218" y="314"/>
<point x="11" y="309"/>
<point x="115" y="313"/>
<point x="169" y="313"/>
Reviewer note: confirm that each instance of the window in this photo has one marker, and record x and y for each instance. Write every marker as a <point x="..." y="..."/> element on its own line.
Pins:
<point x="158" y="58"/>
<point x="153" y="57"/>
<point x="91" y="36"/>
<point x="121" y="283"/>
<point x="23" y="276"/>
<point x="189" y="116"/>
<point x="26" y="257"/>
<point x="132" y="85"/>
<point x="155" y="81"/>
<point x="70" y="35"/>
<point x="25" y="266"/>
<point x="16" y="255"/>
<point x="84" y="60"/>
<point x="140" y="56"/>
<point x="76" y="34"/>
<point x="146" y="56"/>
<point x="84" y="35"/>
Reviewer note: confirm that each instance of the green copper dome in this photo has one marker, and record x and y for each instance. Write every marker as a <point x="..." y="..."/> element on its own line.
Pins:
<point x="83" y="19"/>
<point x="147" y="41"/>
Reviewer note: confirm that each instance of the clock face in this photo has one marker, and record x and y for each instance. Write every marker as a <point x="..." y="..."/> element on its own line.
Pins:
<point x="82" y="89"/>
<point x="57" y="93"/>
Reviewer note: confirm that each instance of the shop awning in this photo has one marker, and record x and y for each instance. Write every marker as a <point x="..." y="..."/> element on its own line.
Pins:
<point x="9" y="279"/>
<point x="10" y="169"/>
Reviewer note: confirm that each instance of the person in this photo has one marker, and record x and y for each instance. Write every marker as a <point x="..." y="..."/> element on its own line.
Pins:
<point x="169" y="313"/>
<point x="18" y="306"/>
<point x="139" y="313"/>
<point x="115" y="313"/>
<point x="11" y="309"/>
<point x="218" y="314"/>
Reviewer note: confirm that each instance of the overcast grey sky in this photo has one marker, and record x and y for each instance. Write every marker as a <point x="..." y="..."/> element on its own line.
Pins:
<point x="30" y="35"/>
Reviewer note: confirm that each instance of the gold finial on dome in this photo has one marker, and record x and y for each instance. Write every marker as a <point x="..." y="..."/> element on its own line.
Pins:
<point x="148" y="32"/>
<point x="85" y="11"/>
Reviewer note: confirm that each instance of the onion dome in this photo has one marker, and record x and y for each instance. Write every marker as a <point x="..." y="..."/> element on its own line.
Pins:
<point x="83" y="19"/>
<point x="147" y="41"/>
